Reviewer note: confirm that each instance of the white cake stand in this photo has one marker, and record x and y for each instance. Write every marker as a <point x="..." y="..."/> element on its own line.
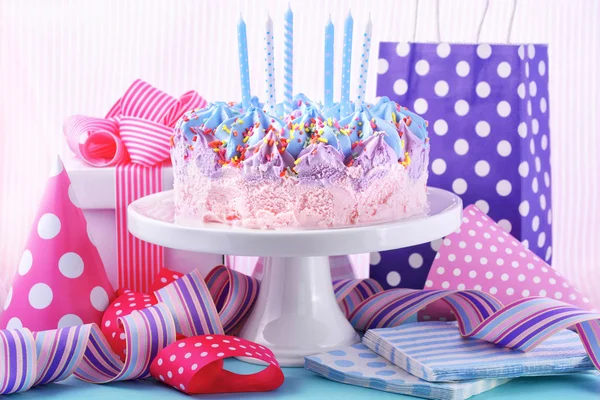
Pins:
<point x="296" y="313"/>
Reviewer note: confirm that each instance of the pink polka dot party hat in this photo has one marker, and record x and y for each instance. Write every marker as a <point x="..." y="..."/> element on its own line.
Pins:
<point x="60" y="280"/>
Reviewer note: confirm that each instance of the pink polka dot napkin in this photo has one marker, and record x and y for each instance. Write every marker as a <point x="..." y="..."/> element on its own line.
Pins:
<point x="481" y="255"/>
<point x="61" y="280"/>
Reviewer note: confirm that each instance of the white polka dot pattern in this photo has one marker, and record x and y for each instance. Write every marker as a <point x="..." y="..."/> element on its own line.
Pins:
<point x="60" y="269"/>
<point x="176" y="366"/>
<point x="501" y="265"/>
<point x="488" y="111"/>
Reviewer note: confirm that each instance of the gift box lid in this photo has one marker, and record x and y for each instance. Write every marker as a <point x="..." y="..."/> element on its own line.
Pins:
<point x="95" y="187"/>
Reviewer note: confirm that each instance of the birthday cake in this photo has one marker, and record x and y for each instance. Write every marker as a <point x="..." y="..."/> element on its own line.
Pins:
<point x="307" y="170"/>
<point x="300" y="164"/>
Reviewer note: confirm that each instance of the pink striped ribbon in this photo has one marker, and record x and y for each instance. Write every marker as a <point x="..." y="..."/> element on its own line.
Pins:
<point x="194" y="306"/>
<point x="134" y="136"/>
<point x="191" y="304"/>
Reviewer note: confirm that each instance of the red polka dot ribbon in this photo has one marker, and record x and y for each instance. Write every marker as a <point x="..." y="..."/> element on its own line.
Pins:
<point x="195" y="365"/>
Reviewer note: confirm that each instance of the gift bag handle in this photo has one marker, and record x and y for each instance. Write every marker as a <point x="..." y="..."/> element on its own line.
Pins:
<point x="485" y="11"/>
<point x="479" y="28"/>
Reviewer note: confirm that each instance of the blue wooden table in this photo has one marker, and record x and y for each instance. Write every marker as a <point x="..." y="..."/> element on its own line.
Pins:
<point x="301" y="384"/>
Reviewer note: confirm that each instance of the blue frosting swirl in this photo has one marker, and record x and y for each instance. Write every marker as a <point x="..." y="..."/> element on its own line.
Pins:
<point x="245" y="130"/>
<point x="254" y="102"/>
<point x="362" y="124"/>
<point x="392" y="112"/>
<point x="302" y="128"/>
<point x="205" y="119"/>
<point x="335" y="138"/>
<point x="300" y="102"/>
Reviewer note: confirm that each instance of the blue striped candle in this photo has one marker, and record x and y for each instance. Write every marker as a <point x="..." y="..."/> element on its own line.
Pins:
<point x="288" y="60"/>
<point x="244" y="68"/>
<point x="329" y="53"/>
<point x="269" y="67"/>
<point x="364" y="63"/>
<point x="346" y="65"/>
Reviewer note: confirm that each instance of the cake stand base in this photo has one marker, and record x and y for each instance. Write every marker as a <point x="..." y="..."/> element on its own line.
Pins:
<point x="296" y="313"/>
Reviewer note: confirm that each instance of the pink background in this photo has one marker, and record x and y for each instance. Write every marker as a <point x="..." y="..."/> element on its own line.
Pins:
<point x="59" y="58"/>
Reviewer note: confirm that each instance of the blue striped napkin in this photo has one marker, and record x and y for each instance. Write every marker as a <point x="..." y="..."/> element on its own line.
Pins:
<point x="359" y="366"/>
<point x="436" y="352"/>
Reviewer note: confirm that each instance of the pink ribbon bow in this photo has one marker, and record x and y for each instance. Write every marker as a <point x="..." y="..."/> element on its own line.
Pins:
<point x="135" y="137"/>
<point x="137" y="128"/>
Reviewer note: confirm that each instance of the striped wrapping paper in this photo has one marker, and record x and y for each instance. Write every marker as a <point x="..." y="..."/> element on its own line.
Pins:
<point x="436" y="352"/>
<point x="359" y="366"/>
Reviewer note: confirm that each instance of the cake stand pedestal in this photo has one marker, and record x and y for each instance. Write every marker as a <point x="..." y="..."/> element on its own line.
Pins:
<point x="296" y="313"/>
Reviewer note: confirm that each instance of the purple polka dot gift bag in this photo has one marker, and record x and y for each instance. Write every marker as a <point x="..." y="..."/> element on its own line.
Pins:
<point x="487" y="108"/>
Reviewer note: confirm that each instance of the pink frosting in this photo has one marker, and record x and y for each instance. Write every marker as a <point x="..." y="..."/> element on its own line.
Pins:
<point x="287" y="202"/>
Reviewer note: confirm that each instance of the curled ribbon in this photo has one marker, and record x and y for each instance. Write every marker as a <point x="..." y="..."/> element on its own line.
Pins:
<point x="137" y="128"/>
<point x="194" y="306"/>
<point x="30" y="359"/>
<point x="521" y="325"/>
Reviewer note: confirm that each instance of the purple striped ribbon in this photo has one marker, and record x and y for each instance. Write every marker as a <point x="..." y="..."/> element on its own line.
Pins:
<point x="521" y="325"/>
<point x="37" y="359"/>
<point x="189" y="305"/>
<point x="220" y="303"/>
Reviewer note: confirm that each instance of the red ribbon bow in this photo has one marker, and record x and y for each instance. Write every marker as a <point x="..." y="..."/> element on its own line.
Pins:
<point x="137" y="128"/>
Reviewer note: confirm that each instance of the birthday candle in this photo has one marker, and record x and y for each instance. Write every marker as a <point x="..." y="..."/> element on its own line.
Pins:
<point x="288" y="60"/>
<point x="346" y="65"/>
<point x="329" y="52"/>
<point x="364" y="63"/>
<point x="243" y="58"/>
<point x="269" y="67"/>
